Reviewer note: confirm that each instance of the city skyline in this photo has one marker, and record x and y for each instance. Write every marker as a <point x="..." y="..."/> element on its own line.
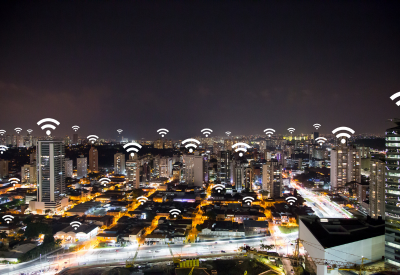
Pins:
<point x="143" y="67"/>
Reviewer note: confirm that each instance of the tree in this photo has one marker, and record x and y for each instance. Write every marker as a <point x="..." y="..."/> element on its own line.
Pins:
<point x="48" y="238"/>
<point x="198" y="227"/>
<point x="33" y="230"/>
<point x="211" y="215"/>
<point x="3" y="235"/>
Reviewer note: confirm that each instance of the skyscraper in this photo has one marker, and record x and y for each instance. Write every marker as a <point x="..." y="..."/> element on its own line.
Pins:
<point x="119" y="163"/>
<point x="8" y="140"/>
<point x="133" y="171"/>
<point x="272" y="178"/>
<point x="50" y="176"/>
<point x="392" y="201"/>
<point x="345" y="166"/>
<point x="224" y="167"/>
<point x="377" y="189"/>
<point x="238" y="169"/>
<point x="3" y="168"/>
<point x="68" y="168"/>
<point x="193" y="169"/>
<point x="75" y="139"/>
<point x="28" y="173"/>
<point x="93" y="160"/>
<point x="81" y="167"/>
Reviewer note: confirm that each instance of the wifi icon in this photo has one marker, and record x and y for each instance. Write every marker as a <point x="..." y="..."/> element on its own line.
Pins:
<point x="131" y="147"/>
<point x="219" y="187"/>
<point x="2" y="132"/>
<point x="29" y="131"/>
<point x="92" y="138"/>
<point x="228" y="133"/>
<point x="242" y="149"/>
<point x="291" y="130"/>
<point x="48" y="126"/>
<point x="162" y="131"/>
<point x="317" y="125"/>
<point x="14" y="181"/>
<point x="206" y="131"/>
<point x="75" y="225"/>
<point x="120" y="131"/>
<point x="75" y="128"/>
<point x="175" y="212"/>
<point x="321" y="140"/>
<point x="394" y="96"/>
<point x="142" y="199"/>
<point x="18" y="130"/>
<point x="269" y="131"/>
<point x="3" y="148"/>
<point x="343" y="133"/>
<point x="291" y="200"/>
<point x="191" y="144"/>
<point x="104" y="181"/>
<point x="8" y="218"/>
<point x="248" y="200"/>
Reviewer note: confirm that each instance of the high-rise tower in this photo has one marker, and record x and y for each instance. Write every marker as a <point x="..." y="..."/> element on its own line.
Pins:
<point x="93" y="160"/>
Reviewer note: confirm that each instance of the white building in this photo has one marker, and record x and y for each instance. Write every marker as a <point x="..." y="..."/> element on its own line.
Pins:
<point x="119" y="164"/>
<point x="84" y="232"/>
<point x="69" y="168"/>
<point x="345" y="240"/>
<point x="133" y="172"/>
<point x="345" y="166"/>
<point x="193" y="169"/>
<point x="81" y="167"/>
<point x="165" y="169"/>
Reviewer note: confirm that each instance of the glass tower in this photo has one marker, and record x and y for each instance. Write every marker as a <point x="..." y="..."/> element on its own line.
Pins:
<point x="392" y="195"/>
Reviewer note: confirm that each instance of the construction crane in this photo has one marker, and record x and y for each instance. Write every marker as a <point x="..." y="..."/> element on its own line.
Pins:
<point x="175" y="260"/>
<point x="339" y="265"/>
<point x="130" y="263"/>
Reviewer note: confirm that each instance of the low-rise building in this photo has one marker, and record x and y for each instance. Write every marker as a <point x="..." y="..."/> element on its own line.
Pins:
<point x="83" y="233"/>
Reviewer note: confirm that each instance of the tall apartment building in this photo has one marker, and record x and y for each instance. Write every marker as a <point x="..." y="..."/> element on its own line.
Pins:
<point x="159" y="144"/>
<point x="238" y="169"/>
<point x="93" y="160"/>
<point x="377" y="189"/>
<point x="81" y="167"/>
<point x="392" y="192"/>
<point x="20" y="141"/>
<point x="50" y="176"/>
<point x="69" y="168"/>
<point x="119" y="163"/>
<point x="168" y="144"/>
<point x="224" y="167"/>
<point x="193" y="170"/>
<point x="165" y="169"/>
<point x="75" y="139"/>
<point x="133" y="172"/>
<point x="156" y="166"/>
<point x="28" y="173"/>
<point x="3" y="168"/>
<point x="8" y="140"/>
<point x="272" y="178"/>
<point x="345" y="166"/>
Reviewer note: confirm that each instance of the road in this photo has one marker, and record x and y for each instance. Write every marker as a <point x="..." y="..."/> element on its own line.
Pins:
<point x="322" y="207"/>
<point x="105" y="255"/>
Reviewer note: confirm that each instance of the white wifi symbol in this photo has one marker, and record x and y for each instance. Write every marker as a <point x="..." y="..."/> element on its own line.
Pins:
<point x="342" y="133"/>
<point x="131" y="147"/>
<point x="162" y="131"/>
<point x="394" y="96"/>
<point x="3" y="148"/>
<point x="291" y="130"/>
<point x="2" y="132"/>
<point x="75" y="128"/>
<point x="18" y="130"/>
<point x="48" y="126"/>
<point x="120" y="131"/>
<point x="291" y="200"/>
<point x="242" y="147"/>
<point x="8" y="218"/>
<point x="269" y="131"/>
<point x="191" y="144"/>
<point x="219" y="187"/>
<point x="248" y="200"/>
<point x="14" y="181"/>
<point x="29" y="131"/>
<point x="92" y="138"/>
<point x="75" y="225"/>
<point x="321" y="140"/>
<point x="228" y="133"/>
<point x="317" y="125"/>
<point x="206" y="131"/>
<point x="175" y="212"/>
<point x="104" y="181"/>
<point x="142" y="199"/>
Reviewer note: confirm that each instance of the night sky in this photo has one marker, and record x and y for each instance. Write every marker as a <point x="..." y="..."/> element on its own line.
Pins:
<point x="187" y="65"/>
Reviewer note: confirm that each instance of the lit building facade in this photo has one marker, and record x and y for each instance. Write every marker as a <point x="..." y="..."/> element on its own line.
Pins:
<point x="272" y="178"/>
<point x="377" y="189"/>
<point x="345" y="166"/>
<point x="193" y="170"/>
<point x="93" y="160"/>
<point x="81" y="167"/>
<point x="119" y="163"/>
